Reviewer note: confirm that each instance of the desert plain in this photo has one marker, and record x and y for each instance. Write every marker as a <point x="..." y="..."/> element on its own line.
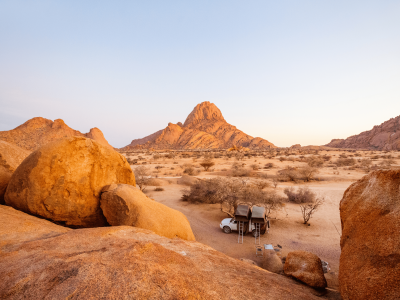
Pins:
<point x="329" y="181"/>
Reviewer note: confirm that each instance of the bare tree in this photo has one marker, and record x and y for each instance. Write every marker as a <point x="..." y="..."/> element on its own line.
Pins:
<point x="308" y="209"/>
<point x="142" y="175"/>
<point x="275" y="182"/>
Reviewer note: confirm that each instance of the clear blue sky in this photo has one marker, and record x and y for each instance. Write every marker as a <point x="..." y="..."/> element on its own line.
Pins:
<point x="287" y="71"/>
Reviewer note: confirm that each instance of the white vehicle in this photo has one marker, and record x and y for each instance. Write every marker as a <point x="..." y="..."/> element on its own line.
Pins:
<point x="230" y="224"/>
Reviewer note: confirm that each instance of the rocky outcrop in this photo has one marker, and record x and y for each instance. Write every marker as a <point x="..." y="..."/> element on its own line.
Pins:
<point x="124" y="204"/>
<point x="17" y="228"/>
<point x="272" y="262"/>
<point x="123" y="262"/>
<point x="306" y="267"/>
<point x="37" y="132"/>
<point x="383" y="137"/>
<point x="11" y="157"/>
<point x="370" y="242"/>
<point x="62" y="181"/>
<point x="205" y="128"/>
<point x="98" y="136"/>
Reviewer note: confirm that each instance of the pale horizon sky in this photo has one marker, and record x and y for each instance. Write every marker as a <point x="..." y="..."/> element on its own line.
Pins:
<point x="291" y="72"/>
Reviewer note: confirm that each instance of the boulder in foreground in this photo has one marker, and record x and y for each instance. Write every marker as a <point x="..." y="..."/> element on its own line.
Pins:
<point x="123" y="204"/>
<point x="306" y="267"/>
<point x="11" y="156"/>
<point x="370" y="257"/>
<point x="124" y="263"/>
<point x="62" y="181"/>
<point x="272" y="262"/>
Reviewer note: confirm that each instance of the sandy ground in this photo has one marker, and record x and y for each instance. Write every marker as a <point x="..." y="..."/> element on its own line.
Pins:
<point x="322" y="237"/>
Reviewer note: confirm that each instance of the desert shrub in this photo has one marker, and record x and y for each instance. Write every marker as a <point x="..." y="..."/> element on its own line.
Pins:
<point x="170" y="155"/>
<point x="345" y="162"/>
<point x="239" y="171"/>
<point x="255" y="167"/>
<point x="301" y="195"/>
<point x="261" y="184"/>
<point x="142" y="175"/>
<point x="159" y="189"/>
<point x="315" y="161"/>
<point x="326" y="157"/>
<point x="387" y="163"/>
<point x="239" y="156"/>
<point x="158" y="168"/>
<point x="156" y="156"/>
<point x="307" y="173"/>
<point x="288" y="174"/>
<point x="132" y="161"/>
<point x="268" y="166"/>
<point x="190" y="170"/>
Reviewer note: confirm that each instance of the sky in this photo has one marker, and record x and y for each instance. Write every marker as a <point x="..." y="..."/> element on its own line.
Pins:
<point x="292" y="72"/>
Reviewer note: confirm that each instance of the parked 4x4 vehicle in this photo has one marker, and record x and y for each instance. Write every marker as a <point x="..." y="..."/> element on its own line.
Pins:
<point x="230" y="224"/>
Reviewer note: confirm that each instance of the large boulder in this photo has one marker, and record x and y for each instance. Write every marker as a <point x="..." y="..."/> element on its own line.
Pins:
<point x="11" y="157"/>
<point x="62" y="181"/>
<point x="370" y="242"/>
<point x="272" y="262"/>
<point x="124" y="263"/>
<point x="123" y="204"/>
<point x="306" y="267"/>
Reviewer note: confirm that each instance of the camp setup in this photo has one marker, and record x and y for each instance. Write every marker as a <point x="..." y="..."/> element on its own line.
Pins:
<point x="247" y="220"/>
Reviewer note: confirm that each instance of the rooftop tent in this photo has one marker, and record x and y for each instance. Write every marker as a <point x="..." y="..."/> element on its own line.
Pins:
<point x="258" y="215"/>
<point x="242" y="213"/>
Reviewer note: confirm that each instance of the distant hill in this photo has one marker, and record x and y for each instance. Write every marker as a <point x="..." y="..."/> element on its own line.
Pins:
<point x="204" y="128"/>
<point x="36" y="132"/>
<point x="383" y="137"/>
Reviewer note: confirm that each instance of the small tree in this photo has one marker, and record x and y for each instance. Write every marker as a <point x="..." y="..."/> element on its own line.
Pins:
<point x="207" y="164"/>
<point x="308" y="209"/>
<point x="308" y="172"/>
<point x="275" y="182"/>
<point x="142" y="175"/>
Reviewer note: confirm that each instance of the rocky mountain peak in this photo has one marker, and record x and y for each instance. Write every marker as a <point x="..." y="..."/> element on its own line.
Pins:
<point x="204" y="111"/>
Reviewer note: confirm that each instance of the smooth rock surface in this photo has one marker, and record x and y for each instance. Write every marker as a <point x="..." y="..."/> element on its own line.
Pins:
<point x="124" y="263"/>
<point x="123" y="204"/>
<point x="306" y="267"/>
<point x="11" y="157"/>
<point x="370" y="257"/>
<point x="62" y="181"/>
<point x="271" y="262"/>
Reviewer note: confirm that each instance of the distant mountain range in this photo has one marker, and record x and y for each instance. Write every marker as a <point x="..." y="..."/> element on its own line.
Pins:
<point x="204" y="128"/>
<point x="383" y="137"/>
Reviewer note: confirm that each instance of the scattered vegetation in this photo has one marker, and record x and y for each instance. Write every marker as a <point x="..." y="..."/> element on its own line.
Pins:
<point x="230" y="192"/>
